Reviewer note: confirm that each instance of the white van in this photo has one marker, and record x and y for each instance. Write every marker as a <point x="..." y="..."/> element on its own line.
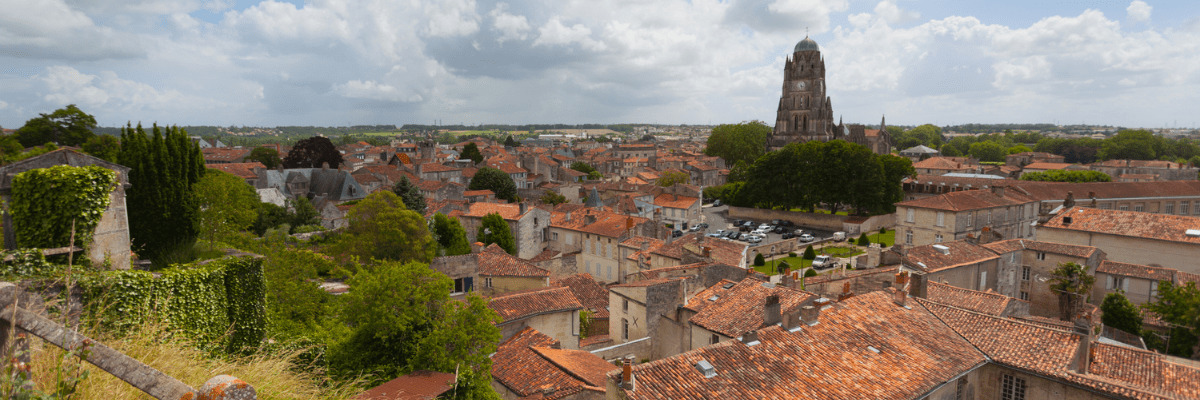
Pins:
<point x="839" y="236"/>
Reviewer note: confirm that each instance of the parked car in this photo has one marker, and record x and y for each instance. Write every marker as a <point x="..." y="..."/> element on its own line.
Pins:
<point x="717" y="203"/>
<point x="754" y="239"/>
<point x="779" y="229"/>
<point x="744" y="228"/>
<point x="721" y="232"/>
<point x="694" y="228"/>
<point x="737" y="222"/>
<point x="839" y="236"/>
<point x="788" y="235"/>
<point x="677" y="233"/>
<point x="713" y="235"/>
<point x="703" y="225"/>
<point x="732" y="235"/>
<point x="807" y="238"/>
<point x="823" y="262"/>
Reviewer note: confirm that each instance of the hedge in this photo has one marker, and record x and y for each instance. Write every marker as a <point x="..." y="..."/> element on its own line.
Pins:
<point x="200" y="302"/>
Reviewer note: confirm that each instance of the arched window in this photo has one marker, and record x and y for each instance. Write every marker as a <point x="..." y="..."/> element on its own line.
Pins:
<point x="804" y="124"/>
<point x="795" y="122"/>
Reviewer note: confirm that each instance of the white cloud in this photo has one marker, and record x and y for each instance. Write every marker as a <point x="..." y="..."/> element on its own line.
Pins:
<point x="555" y="33"/>
<point x="510" y="27"/>
<point x="375" y="91"/>
<point x="451" y="18"/>
<point x="893" y="14"/>
<point x="1138" y="11"/>
<point x="51" y="29"/>
<point x="66" y="85"/>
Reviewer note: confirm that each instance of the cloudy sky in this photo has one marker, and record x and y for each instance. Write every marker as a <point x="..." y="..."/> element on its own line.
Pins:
<point x="345" y="62"/>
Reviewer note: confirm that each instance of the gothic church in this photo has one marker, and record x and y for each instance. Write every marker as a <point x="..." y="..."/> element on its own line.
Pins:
<point x="806" y="113"/>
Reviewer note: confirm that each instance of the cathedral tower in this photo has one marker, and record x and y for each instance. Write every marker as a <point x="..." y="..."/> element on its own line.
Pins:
<point x="805" y="112"/>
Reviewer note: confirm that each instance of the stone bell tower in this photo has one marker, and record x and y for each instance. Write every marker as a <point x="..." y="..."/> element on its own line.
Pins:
<point x="805" y="112"/>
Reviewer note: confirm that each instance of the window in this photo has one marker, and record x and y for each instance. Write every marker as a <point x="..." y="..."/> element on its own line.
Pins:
<point x="1106" y="206"/>
<point x="1183" y="207"/>
<point x="1012" y="258"/>
<point x="1169" y="208"/>
<point x="625" y="304"/>
<point x="989" y="217"/>
<point x="1123" y="207"/>
<point x="624" y="329"/>
<point x="982" y="280"/>
<point x="587" y="267"/>
<point x="1024" y="272"/>
<point x="1139" y="207"/>
<point x="1153" y="288"/>
<point x="1116" y="283"/>
<point x="487" y="282"/>
<point x="463" y="285"/>
<point x="908" y="215"/>
<point x="970" y="219"/>
<point x="938" y="238"/>
<point x="941" y="218"/>
<point x="908" y="238"/>
<point x="1012" y="388"/>
<point x="1024" y="295"/>
<point x="714" y="339"/>
<point x="1196" y="208"/>
<point x="554" y="236"/>
<point x="1041" y="255"/>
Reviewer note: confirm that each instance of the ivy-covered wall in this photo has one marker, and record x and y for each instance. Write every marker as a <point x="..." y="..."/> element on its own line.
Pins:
<point x="201" y="302"/>
<point x="45" y="202"/>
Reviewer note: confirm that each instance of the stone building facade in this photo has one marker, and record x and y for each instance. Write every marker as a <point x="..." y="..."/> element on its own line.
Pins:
<point x="805" y="112"/>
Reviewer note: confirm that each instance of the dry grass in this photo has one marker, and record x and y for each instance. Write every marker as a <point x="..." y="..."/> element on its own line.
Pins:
<point x="272" y="375"/>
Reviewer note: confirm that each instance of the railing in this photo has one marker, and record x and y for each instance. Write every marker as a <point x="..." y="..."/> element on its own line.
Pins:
<point x="153" y="382"/>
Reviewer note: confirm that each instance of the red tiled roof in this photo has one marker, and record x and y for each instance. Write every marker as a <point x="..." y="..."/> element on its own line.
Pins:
<point x="241" y="170"/>
<point x="1008" y="246"/>
<point x="960" y="253"/>
<point x="1109" y="190"/>
<point x="418" y="385"/>
<point x="494" y="261"/>
<point x="579" y="364"/>
<point x="1048" y="165"/>
<point x="1127" y="223"/>
<point x="590" y="293"/>
<point x="673" y="201"/>
<point x="969" y="200"/>
<point x="1137" y="271"/>
<point x="519" y="305"/>
<point x="989" y="303"/>
<point x="520" y="368"/>
<point x="224" y="154"/>
<point x="484" y="192"/>
<point x="482" y="209"/>
<point x="739" y="309"/>
<point x="943" y="163"/>
<point x="435" y="167"/>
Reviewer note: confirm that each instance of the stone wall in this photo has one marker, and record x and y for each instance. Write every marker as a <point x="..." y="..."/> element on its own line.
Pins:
<point x="640" y="349"/>
<point x="809" y="220"/>
<point x="110" y="242"/>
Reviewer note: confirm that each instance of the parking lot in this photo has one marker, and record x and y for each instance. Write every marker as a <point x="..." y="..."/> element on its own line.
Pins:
<point x="716" y="218"/>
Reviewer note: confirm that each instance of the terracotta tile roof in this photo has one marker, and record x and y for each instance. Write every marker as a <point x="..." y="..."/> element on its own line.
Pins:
<point x="1137" y="271"/>
<point x="1127" y="223"/>
<point x="863" y="348"/>
<point x="590" y="293"/>
<point x="673" y="201"/>
<point x="1007" y="246"/>
<point x="969" y="200"/>
<point x="931" y="259"/>
<point x="520" y="368"/>
<point x="943" y="163"/>
<point x="674" y="249"/>
<point x="514" y="306"/>
<point x="418" y="385"/>
<point x="989" y="303"/>
<point x="1048" y="165"/>
<point x="1048" y="323"/>
<point x="739" y="309"/>
<point x="1140" y="164"/>
<point x="579" y="364"/>
<point x="594" y="340"/>
<point x="482" y="209"/>
<point x="241" y="170"/>
<point x="484" y="192"/>
<point x="224" y="154"/>
<point x="665" y="272"/>
<point x="494" y="261"/>
<point x="544" y="255"/>
<point x="435" y="167"/>
<point x="431" y="185"/>
<point x="644" y="283"/>
<point x="965" y="182"/>
<point x="1109" y="190"/>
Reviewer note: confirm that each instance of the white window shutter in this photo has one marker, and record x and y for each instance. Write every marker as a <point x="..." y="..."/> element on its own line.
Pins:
<point x="1125" y="285"/>
<point x="1108" y="282"/>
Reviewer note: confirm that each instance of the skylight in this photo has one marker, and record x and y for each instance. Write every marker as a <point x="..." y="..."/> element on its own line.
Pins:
<point x="706" y="368"/>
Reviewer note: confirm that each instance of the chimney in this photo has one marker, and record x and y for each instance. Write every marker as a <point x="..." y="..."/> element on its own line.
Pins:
<point x="706" y="252"/>
<point x="810" y="315"/>
<point x="523" y="208"/>
<point x="750" y="338"/>
<point x="771" y="315"/>
<point x="1084" y="353"/>
<point x="846" y="294"/>
<point x="627" y="373"/>
<point x="591" y="219"/>
<point x="919" y="286"/>
<point x="324" y="166"/>
<point x="901" y="293"/>
<point x="476" y="247"/>
<point x="998" y="190"/>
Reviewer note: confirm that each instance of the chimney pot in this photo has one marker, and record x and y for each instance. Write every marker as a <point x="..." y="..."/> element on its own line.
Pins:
<point x="810" y="315"/>
<point x="771" y="311"/>
<point x="627" y="373"/>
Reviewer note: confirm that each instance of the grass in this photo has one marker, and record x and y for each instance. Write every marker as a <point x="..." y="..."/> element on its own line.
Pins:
<point x="840" y="251"/>
<point x="888" y="237"/>
<point x="273" y="375"/>
<point x="795" y="262"/>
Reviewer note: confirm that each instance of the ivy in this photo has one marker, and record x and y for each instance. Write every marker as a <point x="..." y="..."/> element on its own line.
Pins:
<point x="25" y="263"/>
<point x="220" y="304"/>
<point x="46" y="201"/>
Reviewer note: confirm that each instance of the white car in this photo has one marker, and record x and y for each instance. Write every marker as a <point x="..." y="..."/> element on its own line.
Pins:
<point x="823" y="261"/>
<point x="807" y="238"/>
<point x="754" y="239"/>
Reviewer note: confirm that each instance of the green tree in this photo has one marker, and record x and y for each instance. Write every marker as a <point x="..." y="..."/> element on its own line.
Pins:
<point x="810" y="273"/>
<point x="413" y="199"/>
<point x="988" y="151"/>
<point x="759" y="260"/>
<point x="314" y="152"/>
<point x="552" y="198"/>
<point x="1178" y="305"/>
<point x="67" y="126"/>
<point x="1131" y="145"/>
<point x="10" y="148"/>
<point x="403" y="319"/>
<point x="582" y="167"/>
<point x="380" y="227"/>
<point x="863" y="240"/>
<point x="450" y="235"/>
<point x="738" y="142"/>
<point x="1020" y="148"/>
<point x="303" y="212"/>
<point x="510" y="142"/>
<point x="1119" y="312"/>
<point x="809" y="253"/>
<point x="269" y="157"/>
<point x="495" y="180"/>
<point x="1072" y="284"/>
<point x="161" y="206"/>
<point x="227" y="204"/>
<point x="471" y="152"/>
<point x="494" y="229"/>
<point x="104" y="147"/>
<point x="951" y="151"/>
<point x="269" y="217"/>
<point x="671" y="178"/>
<point x="1066" y="176"/>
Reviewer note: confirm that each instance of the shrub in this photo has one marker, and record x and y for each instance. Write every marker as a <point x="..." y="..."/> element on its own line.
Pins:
<point x="810" y="272"/>
<point x="759" y="260"/>
<point x="791" y="254"/>
<point x="863" y="240"/>
<point x="882" y="231"/>
<point x="809" y="253"/>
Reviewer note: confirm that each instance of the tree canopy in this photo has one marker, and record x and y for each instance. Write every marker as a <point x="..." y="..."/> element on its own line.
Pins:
<point x="161" y="206"/>
<point x="552" y="198"/>
<point x="987" y="151"/>
<point x="928" y="135"/>
<point x="1118" y="312"/>
<point x="1072" y="284"/>
<point x="494" y="229"/>
<point x="380" y="227"/>
<point x="495" y="180"/>
<point x="227" y="204"/>
<point x="471" y="152"/>
<point x="746" y="141"/>
<point x="68" y="126"/>
<point x="313" y="152"/>
<point x="104" y="147"/>
<point x="413" y="199"/>
<point x="269" y="157"/>
<point x="671" y="178"/>
<point x="450" y="235"/>
<point x="1066" y="176"/>
<point x="1180" y="306"/>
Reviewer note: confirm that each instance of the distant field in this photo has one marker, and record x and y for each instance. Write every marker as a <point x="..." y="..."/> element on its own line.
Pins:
<point x="591" y="132"/>
<point x="379" y="133"/>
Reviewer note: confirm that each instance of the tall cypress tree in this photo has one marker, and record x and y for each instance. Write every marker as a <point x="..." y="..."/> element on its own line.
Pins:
<point x="164" y="166"/>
